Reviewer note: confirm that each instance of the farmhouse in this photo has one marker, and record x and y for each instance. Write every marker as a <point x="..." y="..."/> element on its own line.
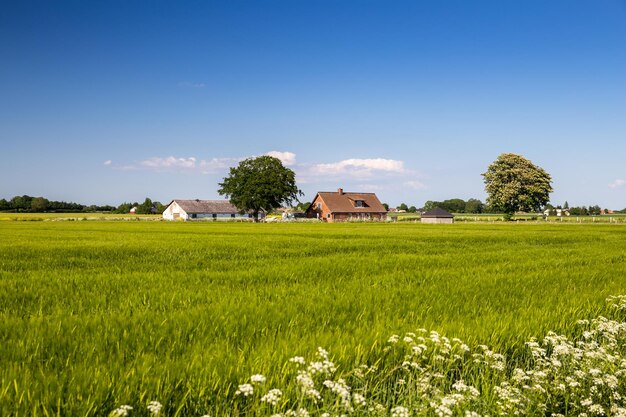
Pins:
<point x="343" y="206"/>
<point x="437" y="215"/>
<point x="202" y="209"/>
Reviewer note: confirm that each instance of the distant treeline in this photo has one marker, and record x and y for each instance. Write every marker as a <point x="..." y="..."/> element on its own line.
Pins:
<point x="28" y="204"/>
<point x="591" y="210"/>
<point x="475" y="206"/>
<point x="453" y="205"/>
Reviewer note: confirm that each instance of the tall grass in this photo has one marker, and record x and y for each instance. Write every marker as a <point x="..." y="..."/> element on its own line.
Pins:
<point x="98" y="314"/>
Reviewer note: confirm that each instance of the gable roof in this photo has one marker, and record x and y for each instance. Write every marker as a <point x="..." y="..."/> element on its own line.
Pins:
<point x="207" y="206"/>
<point x="438" y="213"/>
<point x="344" y="202"/>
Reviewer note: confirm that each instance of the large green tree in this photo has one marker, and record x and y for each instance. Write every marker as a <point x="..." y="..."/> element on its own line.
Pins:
<point x="514" y="183"/>
<point x="260" y="183"/>
<point x="473" y="206"/>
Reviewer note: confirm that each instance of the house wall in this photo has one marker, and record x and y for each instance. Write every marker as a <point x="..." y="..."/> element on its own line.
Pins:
<point x="218" y="216"/>
<point x="356" y="216"/>
<point x="174" y="212"/>
<point x="324" y="213"/>
<point x="438" y="220"/>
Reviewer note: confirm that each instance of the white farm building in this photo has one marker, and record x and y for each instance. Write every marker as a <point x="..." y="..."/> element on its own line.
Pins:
<point x="203" y="209"/>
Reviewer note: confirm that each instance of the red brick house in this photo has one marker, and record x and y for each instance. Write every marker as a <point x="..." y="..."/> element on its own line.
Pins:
<point x="342" y="206"/>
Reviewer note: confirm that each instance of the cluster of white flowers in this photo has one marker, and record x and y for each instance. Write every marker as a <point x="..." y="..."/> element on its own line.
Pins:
<point x="307" y="386"/>
<point x="300" y="412"/>
<point x="257" y="379"/>
<point x="121" y="411"/>
<point x="359" y="400"/>
<point x="154" y="407"/>
<point x="400" y="411"/>
<point x="298" y="360"/>
<point x="342" y="390"/>
<point x="245" y="389"/>
<point x="272" y="397"/>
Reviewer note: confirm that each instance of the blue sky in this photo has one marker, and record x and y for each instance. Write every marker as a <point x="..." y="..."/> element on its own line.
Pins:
<point x="111" y="101"/>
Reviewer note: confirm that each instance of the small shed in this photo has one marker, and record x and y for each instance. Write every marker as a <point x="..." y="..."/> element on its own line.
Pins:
<point x="437" y="215"/>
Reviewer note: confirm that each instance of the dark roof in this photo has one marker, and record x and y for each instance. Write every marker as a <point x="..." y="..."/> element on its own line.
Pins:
<point x="344" y="202"/>
<point x="207" y="206"/>
<point x="438" y="213"/>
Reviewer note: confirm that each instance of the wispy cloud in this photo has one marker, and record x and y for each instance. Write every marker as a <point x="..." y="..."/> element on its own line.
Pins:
<point x="359" y="167"/>
<point x="169" y="162"/>
<point x="287" y="158"/>
<point x="415" y="185"/>
<point x="217" y="164"/>
<point x="187" y="84"/>
<point x="192" y="163"/>
<point x="618" y="183"/>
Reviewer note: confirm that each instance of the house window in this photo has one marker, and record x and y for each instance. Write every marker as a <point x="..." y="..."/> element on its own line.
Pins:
<point x="319" y="206"/>
<point x="194" y="215"/>
<point x="328" y="215"/>
<point x="359" y="203"/>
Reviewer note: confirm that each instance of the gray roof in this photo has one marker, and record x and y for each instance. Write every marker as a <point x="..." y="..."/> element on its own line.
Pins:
<point x="207" y="206"/>
<point x="437" y="212"/>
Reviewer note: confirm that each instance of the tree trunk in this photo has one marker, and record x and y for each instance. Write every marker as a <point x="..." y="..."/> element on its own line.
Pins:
<point x="256" y="216"/>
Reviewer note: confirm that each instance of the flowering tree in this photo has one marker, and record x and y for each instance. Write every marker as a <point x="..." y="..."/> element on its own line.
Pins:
<point x="515" y="184"/>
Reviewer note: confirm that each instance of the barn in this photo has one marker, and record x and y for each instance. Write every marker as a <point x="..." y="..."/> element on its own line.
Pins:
<point x="437" y="215"/>
<point x="340" y="206"/>
<point x="203" y="210"/>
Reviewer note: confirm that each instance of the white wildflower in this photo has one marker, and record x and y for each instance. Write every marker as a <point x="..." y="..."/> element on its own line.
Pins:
<point x="400" y="411"/>
<point x="154" y="407"/>
<point x="298" y="360"/>
<point x="245" y="389"/>
<point x="272" y="397"/>
<point x="359" y="400"/>
<point x="322" y="353"/>
<point x="257" y="379"/>
<point x="596" y="409"/>
<point x="301" y="412"/>
<point x="122" y="411"/>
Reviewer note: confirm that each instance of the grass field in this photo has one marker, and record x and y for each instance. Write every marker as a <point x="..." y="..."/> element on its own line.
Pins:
<point x="102" y="313"/>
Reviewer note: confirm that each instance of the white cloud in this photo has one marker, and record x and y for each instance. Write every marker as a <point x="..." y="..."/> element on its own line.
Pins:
<point x="617" y="183"/>
<point x="187" y="84"/>
<point x="373" y="187"/>
<point x="360" y="167"/>
<point x="287" y="158"/>
<point x="108" y="162"/>
<point x="415" y="185"/>
<point x="217" y="164"/>
<point x="169" y="162"/>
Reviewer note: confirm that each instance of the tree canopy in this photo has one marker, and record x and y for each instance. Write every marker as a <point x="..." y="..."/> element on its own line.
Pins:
<point x="514" y="183"/>
<point x="456" y="205"/>
<point x="260" y="183"/>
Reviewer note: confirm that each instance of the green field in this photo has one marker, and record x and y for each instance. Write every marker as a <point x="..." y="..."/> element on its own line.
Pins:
<point x="102" y="313"/>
